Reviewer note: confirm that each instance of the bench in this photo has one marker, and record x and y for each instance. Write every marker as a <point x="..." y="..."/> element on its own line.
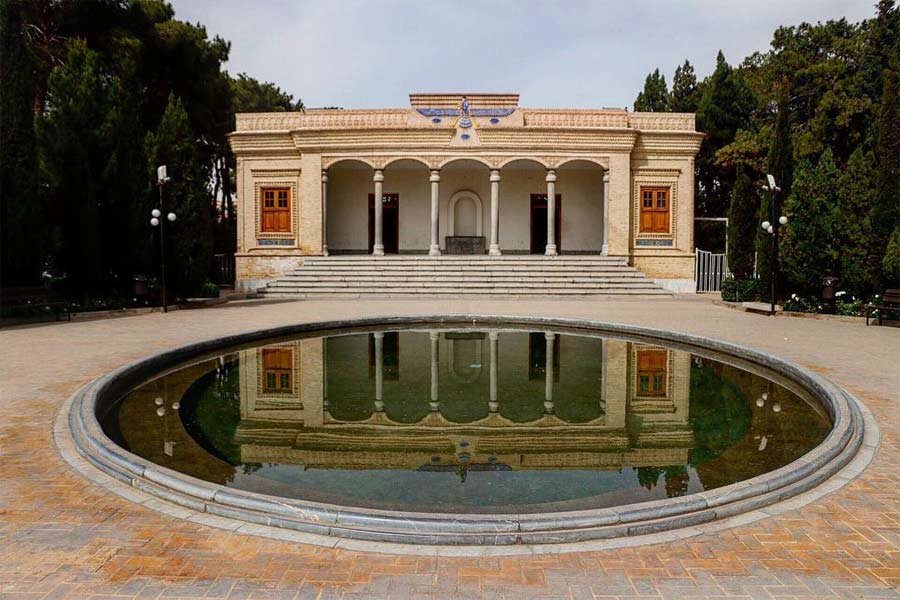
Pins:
<point x="889" y="303"/>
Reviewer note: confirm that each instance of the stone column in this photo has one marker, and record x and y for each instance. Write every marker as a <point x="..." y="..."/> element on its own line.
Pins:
<point x="548" y="376"/>
<point x="434" y="336"/>
<point x="378" y="245"/>
<point x="605" y="248"/>
<point x="494" y="404"/>
<point x="379" y="371"/>
<point x="551" y="213"/>
<point x="495" y="214"/>
<point x="324" y="212"/>
<point x="435" y="248"/>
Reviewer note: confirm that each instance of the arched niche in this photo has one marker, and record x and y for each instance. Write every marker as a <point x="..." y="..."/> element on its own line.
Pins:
<point x="464" y="214"/>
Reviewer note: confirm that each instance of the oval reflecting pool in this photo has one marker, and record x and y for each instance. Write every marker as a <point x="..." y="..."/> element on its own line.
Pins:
<point x="467" y="420"/>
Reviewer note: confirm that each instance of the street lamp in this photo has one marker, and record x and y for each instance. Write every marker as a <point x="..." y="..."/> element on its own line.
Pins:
<point x="771" y="227"/>
<point x="156" y="221"/>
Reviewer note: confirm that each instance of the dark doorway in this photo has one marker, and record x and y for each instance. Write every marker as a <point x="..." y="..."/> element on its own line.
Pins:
<point x="390" y="230"/>
<point x="537" y="356"/>
<point x="539" y="223"/>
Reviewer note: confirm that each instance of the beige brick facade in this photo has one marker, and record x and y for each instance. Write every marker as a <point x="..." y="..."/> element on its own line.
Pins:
<point x="491" y="150"/>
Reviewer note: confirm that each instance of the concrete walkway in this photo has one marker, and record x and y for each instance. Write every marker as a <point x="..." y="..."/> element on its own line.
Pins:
<point x="63" y="537"/>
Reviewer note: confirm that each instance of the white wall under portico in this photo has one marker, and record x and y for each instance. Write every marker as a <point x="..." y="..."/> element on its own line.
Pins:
<point x="350" y="183"/>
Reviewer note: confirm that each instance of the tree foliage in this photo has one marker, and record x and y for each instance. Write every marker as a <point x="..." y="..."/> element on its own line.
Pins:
<point x="742" y="224"/>
<point x="655" y="95"/>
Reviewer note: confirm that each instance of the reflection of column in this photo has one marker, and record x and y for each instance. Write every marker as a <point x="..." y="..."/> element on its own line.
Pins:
<point x="379" y="370"/>
<point x="435" y="248"/>
<point x="551" y="213"/>
<point x="434" y="336"/>
<point x="378" y="245"/>
<point x="494" y="405"/>
<point x="495" y="214"/>
<point x="605" y="248"/>
<point x="548" y="375"/>
<point x="324" y="213"/>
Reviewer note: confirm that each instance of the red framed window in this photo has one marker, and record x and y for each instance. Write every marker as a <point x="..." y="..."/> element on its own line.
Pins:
<point x="656" y="208"/>
<point x="276" y="210"/>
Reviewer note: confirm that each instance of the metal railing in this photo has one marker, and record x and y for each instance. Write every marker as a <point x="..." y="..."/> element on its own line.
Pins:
<point x="710" y="269"/>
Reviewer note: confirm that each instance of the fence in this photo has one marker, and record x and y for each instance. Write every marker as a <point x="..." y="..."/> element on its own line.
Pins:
<point x="224" y="269"/>
<point x="710" y="270"/>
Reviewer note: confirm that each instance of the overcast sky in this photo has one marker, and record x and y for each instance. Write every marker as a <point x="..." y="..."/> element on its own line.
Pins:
<point x="563" y="53"/>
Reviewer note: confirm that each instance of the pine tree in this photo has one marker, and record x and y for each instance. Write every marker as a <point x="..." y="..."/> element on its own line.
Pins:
<point x="780" y="164"/>
<point x="742" y="225"/>
<point x="809" y="247"/>
<point x="655" y="96"/>
<point x="859" y="259"/>
<point x="685" y="94"/>
<point x="20" y="207"/>
<point x="189" y="238"/>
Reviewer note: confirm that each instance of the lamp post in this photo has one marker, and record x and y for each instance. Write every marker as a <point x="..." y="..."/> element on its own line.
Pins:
<point x="156" y="220"/>
<point x="772" y="227"/>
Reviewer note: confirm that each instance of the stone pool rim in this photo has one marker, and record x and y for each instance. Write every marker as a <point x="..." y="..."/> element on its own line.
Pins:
<point x="803" y="474"/>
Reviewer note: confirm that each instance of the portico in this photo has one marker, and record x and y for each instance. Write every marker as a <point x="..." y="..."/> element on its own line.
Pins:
<point x="466" y="174"/>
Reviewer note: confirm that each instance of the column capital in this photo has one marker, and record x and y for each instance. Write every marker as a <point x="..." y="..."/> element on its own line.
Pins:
<point x="434" y="335"/>
<point x="494" y="335"/>
<point x="379" y="175"/>
<point x="324" y="176"/>
<point x="435" y="176"/>
<point x="549" y="336"/>
<point x="606" y="176"/>
<point x="378" y="335"/>
<point x="495" y="175"/>
<point x="551" y="175"/>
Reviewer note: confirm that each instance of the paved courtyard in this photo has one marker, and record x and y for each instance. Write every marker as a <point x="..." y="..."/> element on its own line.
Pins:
<point x="64" y="537"/>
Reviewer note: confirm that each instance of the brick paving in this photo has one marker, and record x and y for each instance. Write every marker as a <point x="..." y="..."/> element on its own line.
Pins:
<point x="64" y="537"/>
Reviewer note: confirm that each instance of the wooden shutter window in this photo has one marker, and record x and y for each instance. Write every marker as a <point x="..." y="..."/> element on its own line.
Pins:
<point x="655" y="209"/>
<point x="276" y="210"/>
<point x="652" y="372"/>
<point x="278" y="370"/>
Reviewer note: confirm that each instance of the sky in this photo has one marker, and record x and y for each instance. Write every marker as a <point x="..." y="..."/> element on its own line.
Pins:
<point x="562" y="53"/>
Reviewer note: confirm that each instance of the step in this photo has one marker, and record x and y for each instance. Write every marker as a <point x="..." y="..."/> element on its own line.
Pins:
<point x="461" y="286"/>
<point x="301" y="279"/>
<point x="462" y="268"/>
<point x="382" y="291"/>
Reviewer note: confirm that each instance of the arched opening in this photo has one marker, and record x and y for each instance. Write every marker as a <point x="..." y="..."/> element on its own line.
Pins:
<point x="523" y="197"/>
<point x="345" y="215"/>
<point x="463" y="184"/>
<point x="465" y="214"/>
<point x="406" y="208"/>
<point x="581" y="184"/>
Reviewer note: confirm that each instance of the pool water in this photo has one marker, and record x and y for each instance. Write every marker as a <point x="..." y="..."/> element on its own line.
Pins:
<point x="467" y="420"/>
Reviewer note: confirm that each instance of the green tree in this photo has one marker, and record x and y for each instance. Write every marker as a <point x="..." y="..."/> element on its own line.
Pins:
<point x="250" y="95"/>
<point x="21" y="230"/>
<point x="685" y="96"/>
<point x="780" y="164"/>
<point x="189" y="239"/>
<point x="886" y="212"/>
<point x="724" y="109"/>
<point x="742" y="225"/>
<point x="859" y="256"/>
<point x="891" y="262"/>
<point x="655" y="96"/>
<point x="71" y="140"/>
<point x="809" y="248"/>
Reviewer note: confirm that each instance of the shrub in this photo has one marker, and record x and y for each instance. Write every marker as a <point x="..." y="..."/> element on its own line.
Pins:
<point x="891" y="263"/>
<point x="741" y="290"/>
<point x="209" y="290"/>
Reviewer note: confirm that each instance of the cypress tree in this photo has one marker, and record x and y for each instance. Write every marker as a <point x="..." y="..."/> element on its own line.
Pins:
<point x="189" y="238"/>
<point x="886" y="213"/>
<point x="21" y="217"/>
<point x="859" y="260"/>
<point x="655" y="95"/>
<point x="742" y="225"/>
<point x="780" y="164"/>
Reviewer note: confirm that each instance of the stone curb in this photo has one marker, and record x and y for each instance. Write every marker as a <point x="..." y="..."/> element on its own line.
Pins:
<point x="640" y="519"/>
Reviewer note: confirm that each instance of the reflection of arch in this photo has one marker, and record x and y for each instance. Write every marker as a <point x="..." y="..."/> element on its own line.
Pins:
<point x="347" y="162"/>
<point x="466" y="373"/>
<point x="474" y="159"/>
<point x="452" y="222"/>
<point x="523" y="159"/>
<point x="397" y="159"/>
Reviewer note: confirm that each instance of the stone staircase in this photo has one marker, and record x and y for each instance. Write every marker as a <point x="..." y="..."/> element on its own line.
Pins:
<point x="366" y="276"/>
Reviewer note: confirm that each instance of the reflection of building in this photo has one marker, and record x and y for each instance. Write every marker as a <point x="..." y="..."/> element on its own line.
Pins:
<point x="432" y="400"/>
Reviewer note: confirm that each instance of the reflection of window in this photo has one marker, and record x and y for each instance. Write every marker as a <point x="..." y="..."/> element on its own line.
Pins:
<point x="276" y="210"/>
<point x="278" y="370"/>
<point x="390" y="356"/>
<point x="655" y="207"/>
<point x="652" y="372"/>
<point x="537" y="356"/>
